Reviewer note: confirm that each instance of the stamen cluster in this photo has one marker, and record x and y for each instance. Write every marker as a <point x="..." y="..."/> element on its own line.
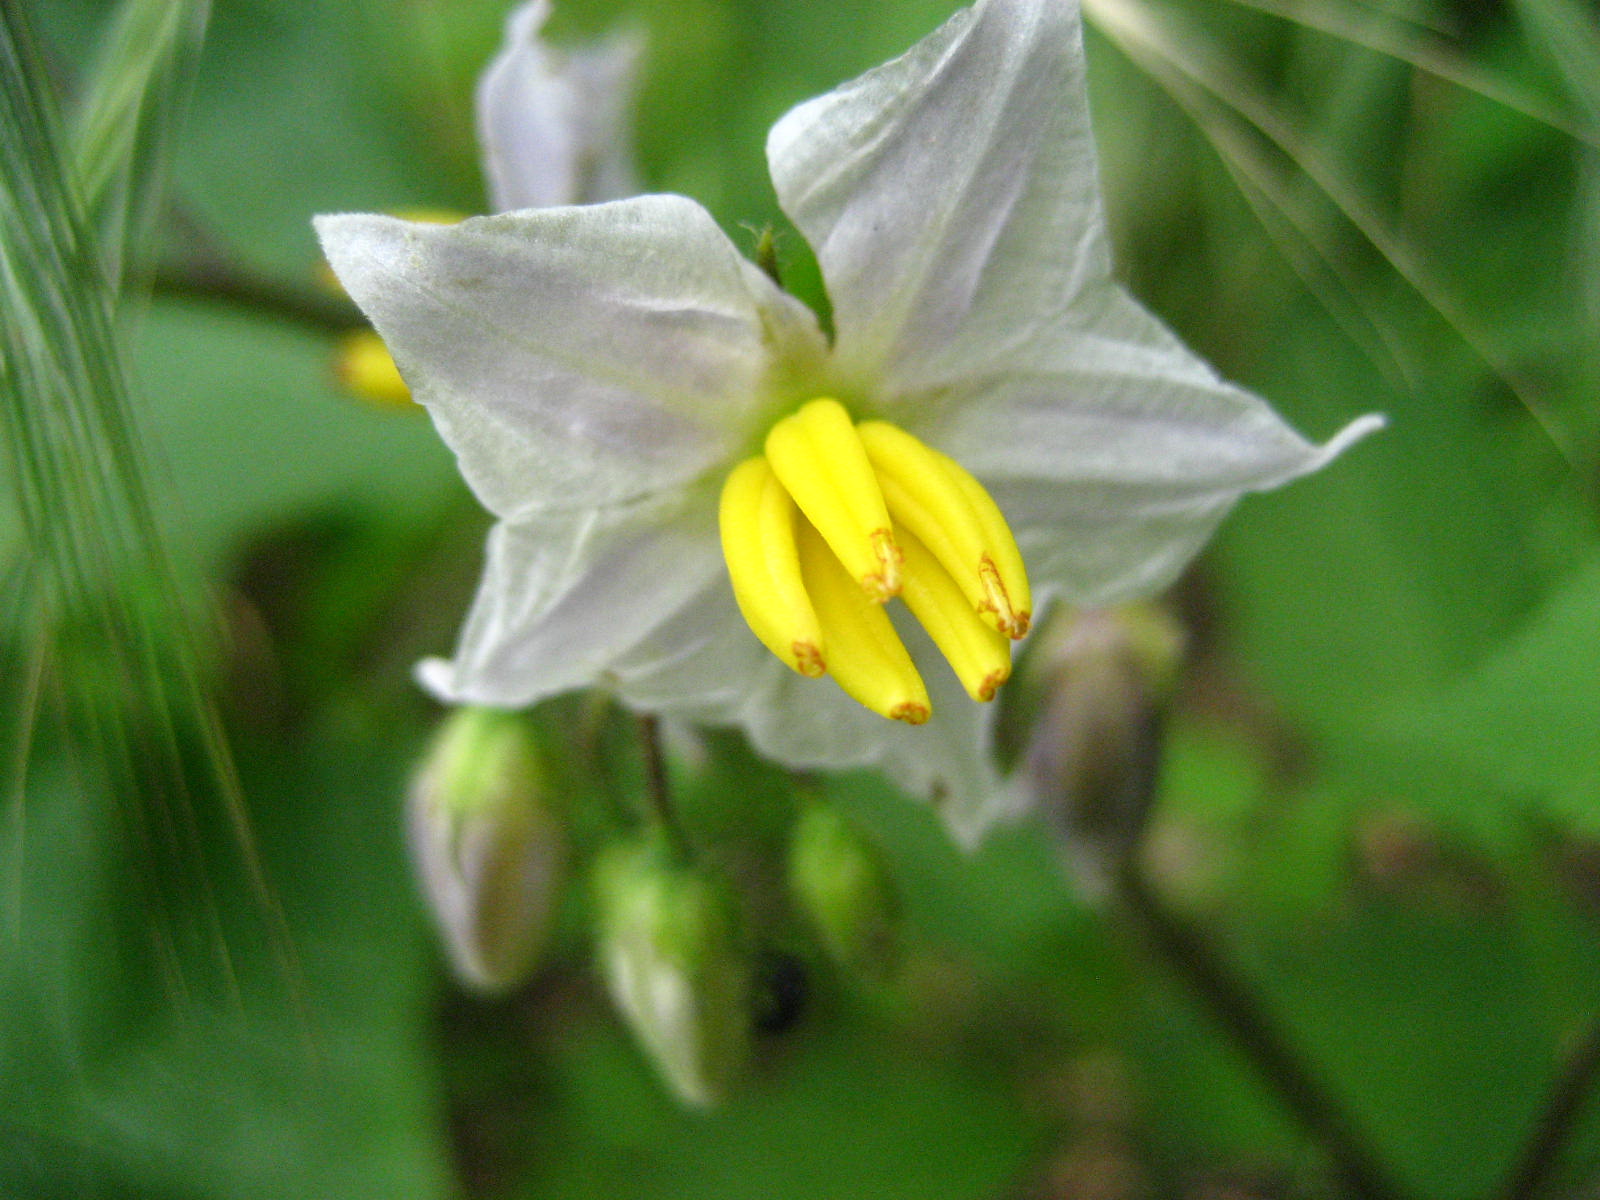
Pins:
<point x="835" y="519"/>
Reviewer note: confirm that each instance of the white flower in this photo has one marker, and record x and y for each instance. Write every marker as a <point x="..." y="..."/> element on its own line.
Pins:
<point x="601" y="371"/>
<point x="554" y="124"/>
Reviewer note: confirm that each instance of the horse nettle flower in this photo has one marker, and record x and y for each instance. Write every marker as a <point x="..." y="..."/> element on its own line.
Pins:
<point x="671" y="951"/>
<point x="490" y="852"/>
<point x="610" y="376"/>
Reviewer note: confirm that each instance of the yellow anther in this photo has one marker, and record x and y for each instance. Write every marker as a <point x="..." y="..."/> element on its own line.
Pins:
<point x="819" y="457"/>
<point x="933" y="497"/>
<point x="865" y="655"/>
<point x="1004" y="576"/>
<point x="979" y="653"/>
<point x="365" y="367"/>
<point x="758" y="522"/>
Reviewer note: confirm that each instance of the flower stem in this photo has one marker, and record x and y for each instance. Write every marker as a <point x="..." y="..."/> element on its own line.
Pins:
<point x="1568" y="1097"/>
<point x="220" y="281"/>
<point x="1207" y="976"/>
<point x="658" y="788"/>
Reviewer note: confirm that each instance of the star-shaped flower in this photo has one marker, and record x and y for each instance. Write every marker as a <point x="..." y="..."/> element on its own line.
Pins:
<point x="608" y="375"/>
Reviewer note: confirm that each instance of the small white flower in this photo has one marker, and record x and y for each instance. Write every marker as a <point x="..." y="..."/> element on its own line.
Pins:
<point x="601" y="372"/>
<point x="554" y="124"/>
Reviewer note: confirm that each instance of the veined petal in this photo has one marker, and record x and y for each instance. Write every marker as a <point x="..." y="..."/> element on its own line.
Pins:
<point x="566" y="596"/>
<point x="1114" y="451"/>
<point x="946" y="761"/>
<point x="951" y="195"/>
<point x="575" y="356"/>
<point x="554" y="124"/>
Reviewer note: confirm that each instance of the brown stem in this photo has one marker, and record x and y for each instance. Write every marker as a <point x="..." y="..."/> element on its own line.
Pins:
<point x="228" y="283"/>
<point x="658" y="789"/>
<point x="1208" y="977"/>
<point x="1568" y="1097"/>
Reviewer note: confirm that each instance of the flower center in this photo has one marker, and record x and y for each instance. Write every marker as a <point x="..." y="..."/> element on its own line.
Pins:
<point x="835" y="519"/>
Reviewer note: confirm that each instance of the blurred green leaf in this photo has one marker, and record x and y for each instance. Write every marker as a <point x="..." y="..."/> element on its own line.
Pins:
<point x="255" y="430"/>
<point x="1524" y="720"/>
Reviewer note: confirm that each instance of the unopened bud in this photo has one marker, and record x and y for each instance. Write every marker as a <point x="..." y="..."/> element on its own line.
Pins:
<point x="490" y="851"/>
<point x="1085" y="727"/>
<point x="842" y="884"/>
<point x="673" y="957"/>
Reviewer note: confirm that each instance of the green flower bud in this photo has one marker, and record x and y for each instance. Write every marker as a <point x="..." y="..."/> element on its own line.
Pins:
<point x="672" y="953"/>
<point x="843" y="886"/>
<point x="490" y="851"/>
<point x="1085" y="725"/>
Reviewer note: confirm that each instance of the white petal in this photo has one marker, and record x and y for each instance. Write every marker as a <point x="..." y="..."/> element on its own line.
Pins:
<point x="568" y="597"/>
<point x="1114" y="451"/>
<point x="951" y="195"/>
<point x="636" y="599"/>
<point x="810" y="723"/>
<point x="574" y="356"/>
<point x="703" y="665"/>
<point x="554" y="124"/>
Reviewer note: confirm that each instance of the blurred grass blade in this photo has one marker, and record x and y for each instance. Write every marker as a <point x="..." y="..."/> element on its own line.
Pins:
<point x="122" y="126"/>
<point x="1571" y="39"/>
<point x="1182" y="59"/>
<point x="1304" y="242"/>
<point x="94" y="593"/>
<point x="1386" y="34"/>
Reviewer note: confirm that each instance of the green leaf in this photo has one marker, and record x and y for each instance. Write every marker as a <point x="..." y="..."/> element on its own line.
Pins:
<point x="1524" y="720"/>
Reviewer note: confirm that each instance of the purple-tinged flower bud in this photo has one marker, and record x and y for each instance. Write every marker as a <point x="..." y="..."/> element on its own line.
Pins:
<point x="1090" y="698"/>
<point x="489" y="849"/>
<point x="672" y="952"/>
<point x="842" y="884"/>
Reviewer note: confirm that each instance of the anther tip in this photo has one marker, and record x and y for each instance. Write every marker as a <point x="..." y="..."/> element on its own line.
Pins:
<point x="808" y="660"/>
<point x="1020" y="623"/>
<point x="885" y="584"/>
<point x="911" y="712"/>
<point x="991" y="684"/>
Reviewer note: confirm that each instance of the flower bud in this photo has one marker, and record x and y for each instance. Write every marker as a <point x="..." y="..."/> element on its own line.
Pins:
<point x="843" y="886"/>
<point x="1086" y="729"/>
<point x="671" y="950"/>
<point x="489" y="849"/>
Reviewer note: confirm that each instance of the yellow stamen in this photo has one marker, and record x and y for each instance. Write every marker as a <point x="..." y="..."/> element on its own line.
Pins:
<point x="931" y="496"/>
<point x="865" y="655"/>
<point x="819" y="457"/>
<point x="1004" y="576"/>
<point x="834" y="520"/>
<point x="758" y="521"/>
<point x="979" y="654"/>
